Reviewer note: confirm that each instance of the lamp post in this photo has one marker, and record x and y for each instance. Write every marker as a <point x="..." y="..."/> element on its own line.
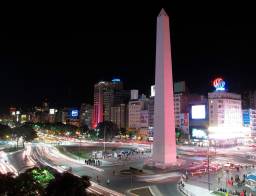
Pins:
<point x="131" y="180"/>
<point x="104" y="142"/>
<point x="79" y="147"/>
<point x="208" y="168"/>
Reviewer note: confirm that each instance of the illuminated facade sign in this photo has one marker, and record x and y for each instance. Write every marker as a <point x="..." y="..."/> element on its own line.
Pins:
<point x="74" y="113"/>
<point x="153" y="91"/>
<point x="219" y="84"/>
<point x="198" y="111"/>
<point x="52" y="111"/>
<point x="116" y="80"/>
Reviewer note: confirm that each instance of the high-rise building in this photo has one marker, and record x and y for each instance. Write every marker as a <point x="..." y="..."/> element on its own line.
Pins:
<point x="181" y="96"/>
<point x="98" y="105"/>
<point x="45" y="106"/>
<point x="134" y="94"/>
<point x="135" y="108"/>
<point x="225" y="113"/>
<point x="249" y="120"/>
<point x="119" y="115"/>
<point x="198" y="117"/>
<point x="107" y="95"/>
<point x="86" y="115"/>
<point x="180" y="101"/>
<point x="249" y="100"/>
<point x="151" y="113"/>
<point x="61" y="116"/>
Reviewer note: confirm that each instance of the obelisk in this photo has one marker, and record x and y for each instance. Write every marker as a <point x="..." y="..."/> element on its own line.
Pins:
<point x="164" y="148"/>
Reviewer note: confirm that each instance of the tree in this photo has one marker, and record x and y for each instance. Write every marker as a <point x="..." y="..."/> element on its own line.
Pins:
<point x="6" y="185"/>
<point x="26" y="132"/>
<point x="4" y="130"/>
<point x="84" y="129"/>
<point x="66" y="184"/>
<point x="26" y="184"/>
<point x="123" y="131"/>
<point x="109" y="128"/>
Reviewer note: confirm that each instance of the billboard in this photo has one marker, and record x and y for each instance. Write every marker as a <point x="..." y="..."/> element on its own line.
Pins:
<point x="198" y="112"/>
<point x="74" y="113"/>
<point x="219" y="84"/>
<point x="52" y="111"/>
<point x="184" y="122"/>
<point x="153" y="91"/>
<point x="199" y="133"/>
<point x="246" y="118"/>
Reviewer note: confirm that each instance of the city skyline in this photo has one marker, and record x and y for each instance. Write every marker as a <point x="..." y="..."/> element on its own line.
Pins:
<point x="61" y="62"/>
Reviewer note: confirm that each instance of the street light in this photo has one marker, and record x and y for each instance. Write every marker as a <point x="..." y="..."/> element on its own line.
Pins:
<point x="104" y="145"/>
<point x="131" y="180"/>
<point x="79" y="148"/>
<point x="208" y="168"/>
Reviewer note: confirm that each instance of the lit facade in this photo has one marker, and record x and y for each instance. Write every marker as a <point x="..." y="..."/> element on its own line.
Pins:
<point x="249" y="100"/>
<point x="225" y="114"/>
<point x="86" y="115"/>
<point x="249" y="120"/>
<point x="107" y="95"/>
<point x="180" y="107"/>
<point x="100" y="101"/>
<point x="134" y="110"/>
<point x="119" y="115"/>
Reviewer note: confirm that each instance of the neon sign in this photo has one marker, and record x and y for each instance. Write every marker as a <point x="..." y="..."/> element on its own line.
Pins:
<point x="116" y="80"/>
<point x="219" y="84"/>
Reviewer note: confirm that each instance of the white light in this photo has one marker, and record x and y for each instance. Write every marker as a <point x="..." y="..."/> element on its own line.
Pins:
<point x="52" y="111"/>
<point x="18" y="112"/>
<point x="153" y="92"/>
<point x="198" y="112"/>
<point x="227" y="132"/>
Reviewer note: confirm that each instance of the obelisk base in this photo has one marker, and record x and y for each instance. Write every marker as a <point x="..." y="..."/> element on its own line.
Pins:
<point x="151" y="164"/>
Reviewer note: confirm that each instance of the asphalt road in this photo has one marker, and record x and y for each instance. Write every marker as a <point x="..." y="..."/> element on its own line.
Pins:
<point x="43" y="154"/>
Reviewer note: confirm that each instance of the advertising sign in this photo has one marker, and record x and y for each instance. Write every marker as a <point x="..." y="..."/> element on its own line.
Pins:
<point x="52" y="111"/>
<point x="184" y="122"/>
<point x="199" y="133"/>
<point x="74" y="113"/>
<point x="198" y="112"/>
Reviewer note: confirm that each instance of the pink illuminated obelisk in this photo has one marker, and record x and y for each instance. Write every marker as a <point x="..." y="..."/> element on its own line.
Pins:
<point x="164" y="149"/>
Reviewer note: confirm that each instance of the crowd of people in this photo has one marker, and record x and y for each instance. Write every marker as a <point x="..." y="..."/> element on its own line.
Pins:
<point x="235" y="192"/>
<point x="92" y="162"/>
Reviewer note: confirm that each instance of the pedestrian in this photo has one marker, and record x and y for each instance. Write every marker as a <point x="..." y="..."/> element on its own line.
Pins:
<point x="108" y="181"/>
<point x="114" y="172"/>
<point x="97" y="179"/>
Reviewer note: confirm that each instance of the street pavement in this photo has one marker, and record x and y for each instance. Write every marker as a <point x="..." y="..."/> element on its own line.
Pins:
<point x="42" y="154"/>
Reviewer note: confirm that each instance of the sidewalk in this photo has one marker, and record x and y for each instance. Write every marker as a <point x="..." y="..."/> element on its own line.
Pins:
<point x="193" y="190"/>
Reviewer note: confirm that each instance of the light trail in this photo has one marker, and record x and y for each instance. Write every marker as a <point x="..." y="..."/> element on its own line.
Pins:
<point x="5" y="165"/>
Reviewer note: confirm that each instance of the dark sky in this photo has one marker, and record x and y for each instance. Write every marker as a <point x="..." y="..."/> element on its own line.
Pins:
<point x="59" y="51"/>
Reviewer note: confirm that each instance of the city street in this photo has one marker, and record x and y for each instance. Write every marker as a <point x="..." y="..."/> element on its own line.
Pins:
<point x="40" y="154"/>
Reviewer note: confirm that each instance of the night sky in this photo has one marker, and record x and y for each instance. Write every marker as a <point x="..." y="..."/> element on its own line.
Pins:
<point x="60" y="51"/>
